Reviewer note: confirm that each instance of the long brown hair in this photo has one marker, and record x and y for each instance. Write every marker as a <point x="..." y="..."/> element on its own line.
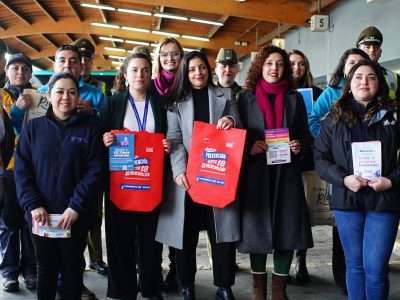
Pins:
<point x="255" y="71"/>
<point x="119" y="81"/>
<point x="157" y="65"/>
<point x="307" y="81"/>
<point x="344" y="111"/>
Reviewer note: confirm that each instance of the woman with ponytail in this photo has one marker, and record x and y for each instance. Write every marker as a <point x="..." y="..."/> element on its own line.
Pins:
<point x="274" y="209"/>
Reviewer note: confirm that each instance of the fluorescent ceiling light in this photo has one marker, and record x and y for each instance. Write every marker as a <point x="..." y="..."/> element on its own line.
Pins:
<point x="116" y="62"/>
<point x="135" y="29"/>
<point x="116" y="57"/>
<point x="189" y="49"/>
<point x="34" y="68"/>
<point x="115" y="49"/>
<point x="154" y="45"/>
<point x="168" y="16"/>
<point x="99" y="6"/>
<point x="137" y="43"/>
<point x="191" y="37"/>
<point x="165" y="33"/>
<point x="106" y="38"/>
<point x="206" y="22"/>
<point x="133" y="11"/>
<point x="105" y="25"/>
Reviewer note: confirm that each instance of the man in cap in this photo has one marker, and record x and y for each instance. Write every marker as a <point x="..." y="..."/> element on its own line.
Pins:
<point x="94" y="238"/>
<point x="370" y="41"/>
<point x="87" y="51"/>
<point x="226" y="69"/>
<point x="17" y="252"/>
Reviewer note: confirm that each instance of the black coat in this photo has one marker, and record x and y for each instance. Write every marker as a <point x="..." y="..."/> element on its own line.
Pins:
<point x="333" y="160"/>
<point x="281" y="222"/>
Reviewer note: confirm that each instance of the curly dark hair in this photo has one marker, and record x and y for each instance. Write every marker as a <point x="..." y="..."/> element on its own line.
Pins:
<point x="119" y="81"/>
<point x="255" y="71"/>
<point x="344" y="111"/>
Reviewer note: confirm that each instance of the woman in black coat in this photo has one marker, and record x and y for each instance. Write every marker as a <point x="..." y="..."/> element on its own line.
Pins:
<point x="136" y="108"/>
<point x="366" y="204"/>
<point x="274" y="210"/>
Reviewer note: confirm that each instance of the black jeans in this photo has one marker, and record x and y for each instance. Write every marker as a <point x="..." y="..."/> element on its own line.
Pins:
<point x="17" y="255"/>
<point x="198" y="217"/>
<point x="122" y="227"/>
<point x="64" y="255"/>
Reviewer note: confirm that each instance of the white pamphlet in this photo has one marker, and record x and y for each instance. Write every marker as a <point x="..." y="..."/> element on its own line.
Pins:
<point x="367" y="159"/>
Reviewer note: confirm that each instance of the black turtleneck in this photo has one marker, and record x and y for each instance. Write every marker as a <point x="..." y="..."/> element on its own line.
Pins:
<point x="201" y="105"/>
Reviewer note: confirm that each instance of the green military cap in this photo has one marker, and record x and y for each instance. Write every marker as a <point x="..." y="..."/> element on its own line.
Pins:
<point x="142" y="50"/>
<point x="85" y="47"/>
<point x="3" y="47"/>
<point x="227" y="56"/>
<point x="370" y="35"/>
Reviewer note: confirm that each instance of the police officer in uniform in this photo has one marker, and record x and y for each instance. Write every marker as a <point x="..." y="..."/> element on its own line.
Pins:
<point x="226" y="69"/>
<point x="87" y="51"/>
<point x="370" y="41"/>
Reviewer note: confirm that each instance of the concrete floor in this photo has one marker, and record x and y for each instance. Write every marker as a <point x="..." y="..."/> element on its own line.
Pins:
<point x="321" y="285"/>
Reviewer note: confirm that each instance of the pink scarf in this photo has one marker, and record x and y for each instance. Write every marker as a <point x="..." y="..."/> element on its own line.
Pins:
<point x="164" y="83"/>
<point x="273" y="117"/>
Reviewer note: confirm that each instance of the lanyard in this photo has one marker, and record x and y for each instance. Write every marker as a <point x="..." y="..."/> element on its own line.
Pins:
<point x="141" y="125"/>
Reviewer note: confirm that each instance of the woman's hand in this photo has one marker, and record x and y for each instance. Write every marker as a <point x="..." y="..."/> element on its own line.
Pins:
<point x="24" y="101"/>
<point x="259" y="147"/>
<point x="295" y="146"/>
<point x="41" y="216"/>
<point x="85" y="107"/>
<point x="109" y="139"/>
<point x="68" y="218"/>
<point x="182" y="182"/>
<point x="380" y="184"/>
<point x="355" y="183"/>
<point x="225" y="123"/>
<point x="167" y="146"/>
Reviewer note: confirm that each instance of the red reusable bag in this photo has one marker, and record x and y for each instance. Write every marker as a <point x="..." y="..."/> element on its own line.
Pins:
<point x="141" y="189"/>
<point x="214" y="162"/>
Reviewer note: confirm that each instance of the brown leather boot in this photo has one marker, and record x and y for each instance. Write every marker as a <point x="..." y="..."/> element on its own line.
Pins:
<point x="259" y="286"/>
<point x="278" y="288"/>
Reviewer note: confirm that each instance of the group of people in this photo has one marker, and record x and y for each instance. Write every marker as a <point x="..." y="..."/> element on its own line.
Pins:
<point x="61" y="168"/>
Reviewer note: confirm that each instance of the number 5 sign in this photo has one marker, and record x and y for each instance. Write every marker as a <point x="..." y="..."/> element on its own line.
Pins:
<point x="319" y="23"/>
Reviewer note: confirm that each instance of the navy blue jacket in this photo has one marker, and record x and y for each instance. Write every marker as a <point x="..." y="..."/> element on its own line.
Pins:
<point x="58" y="165"/>
<point x="333" y="161"/>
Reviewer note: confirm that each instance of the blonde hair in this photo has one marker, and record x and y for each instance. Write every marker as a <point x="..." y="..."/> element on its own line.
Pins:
<point x="156" y="63"/>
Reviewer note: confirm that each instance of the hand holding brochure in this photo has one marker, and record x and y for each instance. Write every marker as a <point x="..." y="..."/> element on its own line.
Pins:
<point x="51" y="231"/>
<point x="122" y="153"/>
<point x="278" y="146"/>
<point x="367" y="159"/>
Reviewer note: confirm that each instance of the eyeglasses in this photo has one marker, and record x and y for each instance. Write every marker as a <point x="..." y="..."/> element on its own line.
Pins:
<point x="174" y="54"/>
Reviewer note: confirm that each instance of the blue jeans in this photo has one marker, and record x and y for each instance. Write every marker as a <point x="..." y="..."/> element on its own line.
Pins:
<point x="367" y="238"/>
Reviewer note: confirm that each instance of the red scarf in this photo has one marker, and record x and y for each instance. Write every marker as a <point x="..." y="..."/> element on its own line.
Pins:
<point x="164" y="82"/>
<point x="273" y="117"/>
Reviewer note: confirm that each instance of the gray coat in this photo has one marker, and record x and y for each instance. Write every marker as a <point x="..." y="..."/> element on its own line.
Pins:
<point x="279" y="221"/>
<point x="172" y="212"/>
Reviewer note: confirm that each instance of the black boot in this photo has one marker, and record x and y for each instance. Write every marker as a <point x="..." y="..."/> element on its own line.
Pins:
<point x="300" y="269"/>
<point x="188" y="293"/>
<point x="224" y="294"/>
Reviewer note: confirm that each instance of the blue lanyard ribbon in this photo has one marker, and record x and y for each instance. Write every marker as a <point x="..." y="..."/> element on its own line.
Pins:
<point x="141" y="124"/>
